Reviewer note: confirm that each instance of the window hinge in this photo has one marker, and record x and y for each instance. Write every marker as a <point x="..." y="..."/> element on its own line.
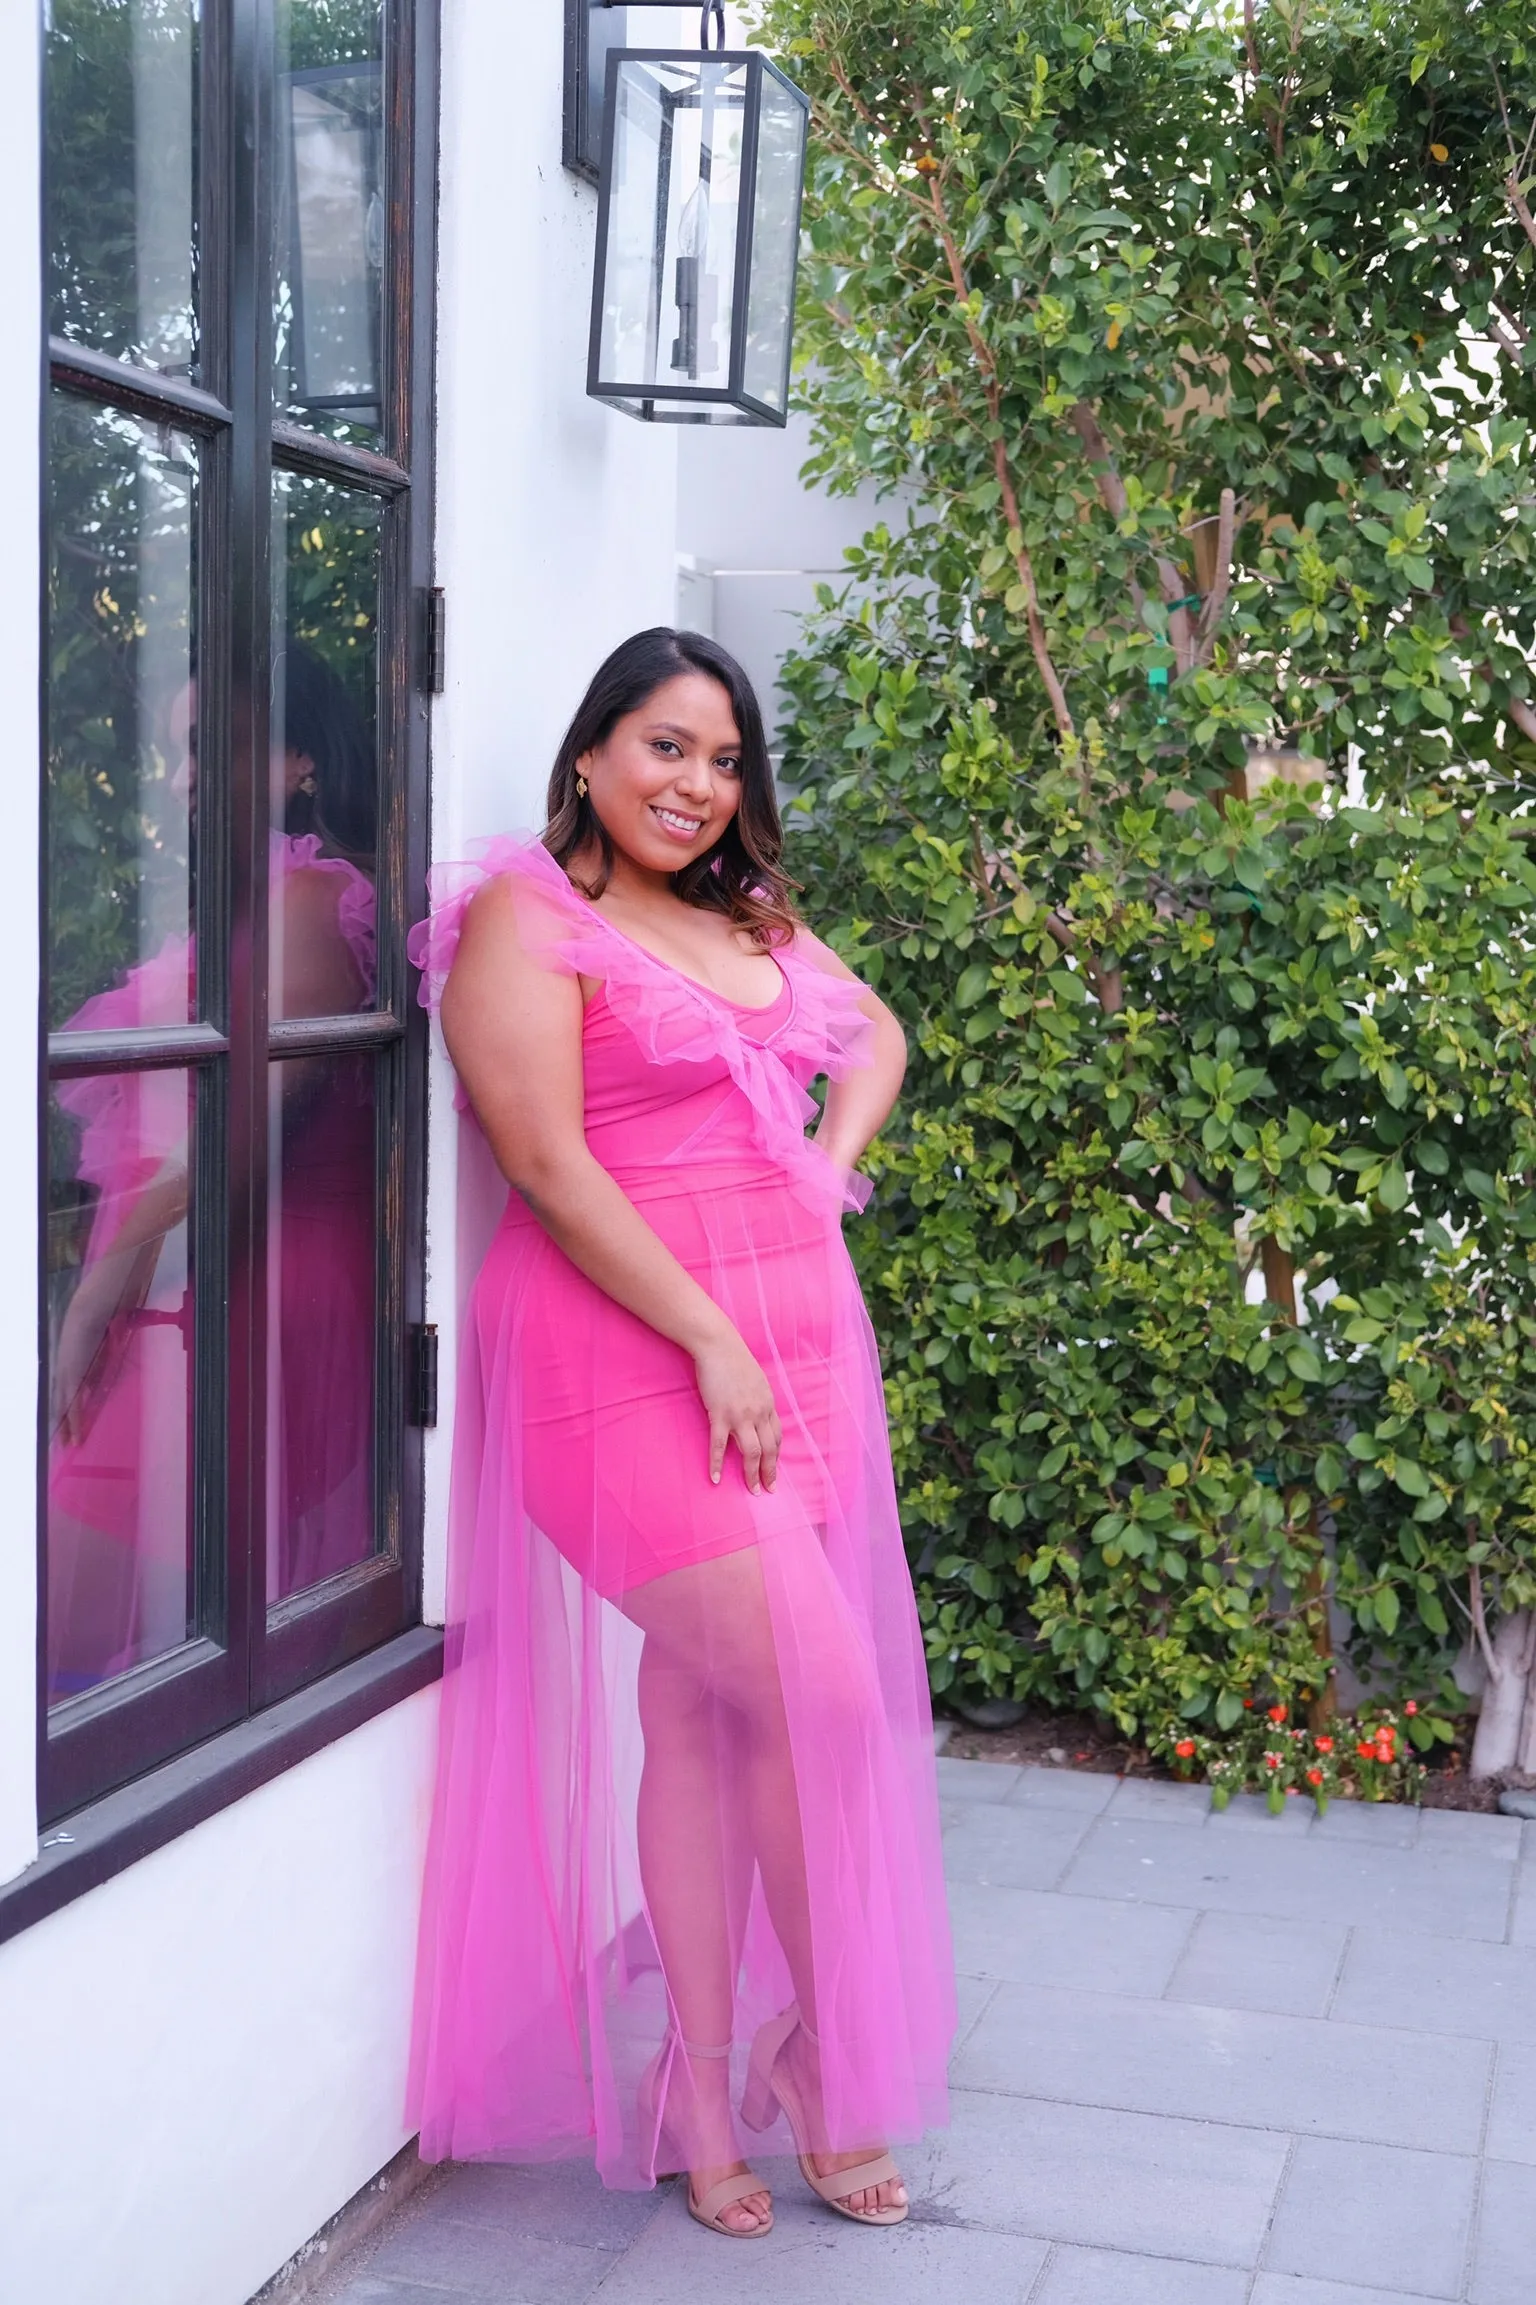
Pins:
<point x="421" y="1375"/>
<point x="434" y="642"/>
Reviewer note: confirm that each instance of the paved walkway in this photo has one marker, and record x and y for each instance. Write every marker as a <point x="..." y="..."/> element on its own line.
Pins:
<point x="1232" y="2060"/>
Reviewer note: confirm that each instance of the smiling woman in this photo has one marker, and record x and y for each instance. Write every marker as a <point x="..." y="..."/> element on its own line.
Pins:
<point x="687" y="1786"/>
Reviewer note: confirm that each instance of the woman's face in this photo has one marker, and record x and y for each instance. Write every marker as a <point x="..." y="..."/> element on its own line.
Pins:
<point x="667" y="780"/>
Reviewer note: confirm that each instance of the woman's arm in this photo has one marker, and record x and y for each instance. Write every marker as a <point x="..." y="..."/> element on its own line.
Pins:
<point x="858" y="1107"/>
<point x="513" y="1029"/>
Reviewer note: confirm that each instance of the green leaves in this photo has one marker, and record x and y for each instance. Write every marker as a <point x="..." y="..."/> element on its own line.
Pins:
<point x="1181" y="1029"/>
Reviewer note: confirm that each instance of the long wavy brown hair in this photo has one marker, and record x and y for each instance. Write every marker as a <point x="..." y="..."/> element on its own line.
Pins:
<point x="742" y="876"/>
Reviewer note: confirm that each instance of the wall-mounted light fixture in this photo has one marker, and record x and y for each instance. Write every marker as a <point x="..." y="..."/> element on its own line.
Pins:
<point x="698" y="233"/>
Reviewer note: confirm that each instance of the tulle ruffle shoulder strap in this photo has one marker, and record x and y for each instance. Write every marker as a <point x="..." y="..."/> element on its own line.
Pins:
<point x="551" y="916"/>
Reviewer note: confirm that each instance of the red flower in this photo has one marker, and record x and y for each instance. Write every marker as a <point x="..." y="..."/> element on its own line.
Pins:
<point x="1272" y="1760"/>
<point x="1366" y="1752"/>
<point x="1247" y="1704"/>
<point x="1314" y="1776"/>
<point x="1278" y="1712"/>
<point x="1323" y="1744"/>
<point x="1185" y="1748"/>
<point x="1411" y="1707"/>
<point x="1385" y="1753"/>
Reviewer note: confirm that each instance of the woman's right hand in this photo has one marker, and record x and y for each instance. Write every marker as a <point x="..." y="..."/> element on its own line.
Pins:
<point x="738" y="1401"/>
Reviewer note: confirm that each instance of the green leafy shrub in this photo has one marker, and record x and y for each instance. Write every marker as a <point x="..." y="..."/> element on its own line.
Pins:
<point x="1202" y="1256"/>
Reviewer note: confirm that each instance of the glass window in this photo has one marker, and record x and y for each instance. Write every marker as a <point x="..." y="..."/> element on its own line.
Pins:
<point x="322" y="1253"/>
<point x="121" y="173"/>
<point x="122" y="718"/>
<point x="233" y="1197"/>
<point x="332" y="215"/>
<point x="121" y="1336"/>
<point x="322" y="952"/>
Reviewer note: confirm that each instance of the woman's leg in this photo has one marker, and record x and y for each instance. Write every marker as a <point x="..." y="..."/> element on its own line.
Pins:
<point x="712" y="1623"/>
<point x="695" y="1864"/>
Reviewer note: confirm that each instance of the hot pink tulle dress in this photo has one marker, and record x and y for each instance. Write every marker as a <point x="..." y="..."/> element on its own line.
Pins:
<point x="581" y="1501"/>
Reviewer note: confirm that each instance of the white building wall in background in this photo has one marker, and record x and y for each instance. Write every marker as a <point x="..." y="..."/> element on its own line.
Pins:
<point x="202" y="2060"/>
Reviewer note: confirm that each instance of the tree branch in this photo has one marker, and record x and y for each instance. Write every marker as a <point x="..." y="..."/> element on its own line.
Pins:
<point x="1221" y="586"/>
<point x="1480" y="1623"/>
<point x="1112" y="495"/>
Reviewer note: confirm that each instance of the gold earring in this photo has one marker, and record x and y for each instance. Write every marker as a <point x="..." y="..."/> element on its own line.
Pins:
<point x="308" y="784"/>
<point x="581" y="788"/>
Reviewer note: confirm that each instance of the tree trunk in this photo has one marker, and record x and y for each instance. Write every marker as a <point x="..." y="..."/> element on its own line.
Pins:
<point x="1280" y="1289"/>
<point x="1508" y="1655"/>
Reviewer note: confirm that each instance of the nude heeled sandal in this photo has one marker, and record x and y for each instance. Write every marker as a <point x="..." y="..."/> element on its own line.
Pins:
<point x="766" y="2093"/>
<point x="720" y="2197"/>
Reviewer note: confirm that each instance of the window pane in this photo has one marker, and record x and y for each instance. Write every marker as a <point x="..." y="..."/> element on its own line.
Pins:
<point x="321" y="1249"/>
<point x="775" y="235"/>
<point x="121" y="718"/>
<point x="325" y="778"/>
<point x="122" y="178"/>
<point x="120" y="1556"/>
<point x="331" y="215"/>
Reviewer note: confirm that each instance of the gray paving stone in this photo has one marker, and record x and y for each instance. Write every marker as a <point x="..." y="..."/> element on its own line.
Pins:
<point x="1528" y="1844"/>
<point x="1250" y="1962"/>
<point x="1107" y="2277"/>
<point x="1105" y="2180"/>
<point x="1512" y="2117"/>
<point x="975" y="1780"/>
<point x="1504" y="2265"/>
<point x="1434" y="1891"/>
<point x="1385" y="1824"/>
<point x="555" y="2201"/>
<point x="1460" y="1829"/>
<point x="366" y="2290"/>
<point x="1239" y="2066"/>
<point x="1029" y="1937"/>
<point x="1174" y="1804"/>
<point x="1064" y="1789"/>
<point x="1289" y="2289"/>
<point x="1485" y="1992"/>
<point x="1013" y="1847"/>
<point x="971" y="1997"/>
<point x="484" y="2261"/>
<point x="1522" y="1928"/>
<point x="1370" y="2214"/>
<point x="814" y="2258"/>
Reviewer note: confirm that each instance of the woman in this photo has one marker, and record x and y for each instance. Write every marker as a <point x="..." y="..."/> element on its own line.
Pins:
<point x="686" y="1787"/>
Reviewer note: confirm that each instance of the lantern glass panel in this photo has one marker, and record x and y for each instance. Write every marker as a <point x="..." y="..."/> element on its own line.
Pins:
<point x="775" y="242"/>
<point x="670" y="281"/>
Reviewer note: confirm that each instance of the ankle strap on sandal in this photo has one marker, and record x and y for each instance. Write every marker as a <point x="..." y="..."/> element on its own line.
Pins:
<point x="697" y="2049"/>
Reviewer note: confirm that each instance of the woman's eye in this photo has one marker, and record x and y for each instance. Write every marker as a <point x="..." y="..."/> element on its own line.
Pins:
<point x="665" y="744"/>
<point x="731" y="767"/>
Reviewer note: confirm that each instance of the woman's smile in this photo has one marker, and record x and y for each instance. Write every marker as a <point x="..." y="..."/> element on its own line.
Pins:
<point x="674" y="821"/>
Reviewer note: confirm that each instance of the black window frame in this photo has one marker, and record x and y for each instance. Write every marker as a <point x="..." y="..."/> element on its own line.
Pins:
<point x="135" y="1724"/>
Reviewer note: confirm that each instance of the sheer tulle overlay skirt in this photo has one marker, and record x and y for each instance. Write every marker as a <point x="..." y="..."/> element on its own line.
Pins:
<point x="686" y="1770"/>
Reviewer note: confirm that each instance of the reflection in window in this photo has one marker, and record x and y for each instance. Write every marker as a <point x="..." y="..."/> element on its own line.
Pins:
<point x="121" y="718"/>
<point x="121" y="178"/>
<point x="331" y="218"/>
<point x="321" y="1249"/>
<point x="119" y="1368"/>
<point x="325" y="570"/>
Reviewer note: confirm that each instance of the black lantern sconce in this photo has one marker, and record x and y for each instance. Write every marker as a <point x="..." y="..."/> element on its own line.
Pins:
<point x="698" y="233"/>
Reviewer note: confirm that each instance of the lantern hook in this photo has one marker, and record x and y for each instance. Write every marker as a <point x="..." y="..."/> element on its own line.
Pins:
<point x="712" y="11"/>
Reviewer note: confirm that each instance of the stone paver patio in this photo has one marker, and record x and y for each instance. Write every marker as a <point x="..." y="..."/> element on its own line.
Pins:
<point x="1203" y="2060"/>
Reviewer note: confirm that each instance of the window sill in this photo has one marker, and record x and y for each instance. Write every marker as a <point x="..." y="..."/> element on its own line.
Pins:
<point x="89" y="1847"/>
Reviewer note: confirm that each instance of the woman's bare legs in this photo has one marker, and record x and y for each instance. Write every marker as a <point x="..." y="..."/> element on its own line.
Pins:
<point x="709" y="1625"/>
<point x="697" y="1875"/>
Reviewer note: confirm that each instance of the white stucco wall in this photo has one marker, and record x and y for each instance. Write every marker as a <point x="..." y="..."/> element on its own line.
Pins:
<point x="203" y="2059"/>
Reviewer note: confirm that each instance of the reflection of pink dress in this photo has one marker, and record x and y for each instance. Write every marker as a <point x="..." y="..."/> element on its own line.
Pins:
<point x="580" y="1475"/>
<point x="127" y="1476"/>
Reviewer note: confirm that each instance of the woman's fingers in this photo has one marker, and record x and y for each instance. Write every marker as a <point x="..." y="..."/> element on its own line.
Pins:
<point x="772" y="1435"/>
<point x="719" y="1435"/>
<point x="751" y="1448"/>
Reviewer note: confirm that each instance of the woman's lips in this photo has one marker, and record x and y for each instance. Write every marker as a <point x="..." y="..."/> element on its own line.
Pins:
<point x="676" y="825"/>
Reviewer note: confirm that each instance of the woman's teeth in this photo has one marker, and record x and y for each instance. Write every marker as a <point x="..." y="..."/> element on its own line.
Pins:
<point x="675" y="823"/>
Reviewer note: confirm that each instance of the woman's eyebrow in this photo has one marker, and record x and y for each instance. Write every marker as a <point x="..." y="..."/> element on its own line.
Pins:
<point x="689" y="735"/>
